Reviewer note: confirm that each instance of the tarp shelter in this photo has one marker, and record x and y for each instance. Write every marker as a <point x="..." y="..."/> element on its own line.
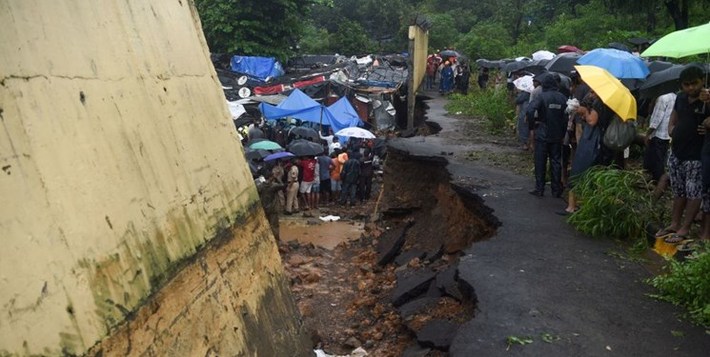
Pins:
<point x="339" y="115"/>
<point x="297" y="105"/>
<point x="261" y="68"/>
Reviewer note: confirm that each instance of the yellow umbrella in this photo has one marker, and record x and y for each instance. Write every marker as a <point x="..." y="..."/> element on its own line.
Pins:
<point x="612" y="92"/>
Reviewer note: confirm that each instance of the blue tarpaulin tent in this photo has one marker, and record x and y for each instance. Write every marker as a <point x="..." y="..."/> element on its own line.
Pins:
<point x="260" y="68"/>
<point x="338" y="115"/>
<point x="341" y="115"/>
<point x="298" y="105"/>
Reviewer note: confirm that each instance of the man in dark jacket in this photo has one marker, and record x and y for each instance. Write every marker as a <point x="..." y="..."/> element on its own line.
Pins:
<point x="550" y="127"/>
<point x="350" y="176"/>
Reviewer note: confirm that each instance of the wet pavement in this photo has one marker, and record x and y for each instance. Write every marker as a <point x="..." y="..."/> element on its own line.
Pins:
<point x="539" y="280"/>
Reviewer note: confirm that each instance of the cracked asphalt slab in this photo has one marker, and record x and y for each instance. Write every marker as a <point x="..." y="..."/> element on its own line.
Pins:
<point x="541" y="285"/>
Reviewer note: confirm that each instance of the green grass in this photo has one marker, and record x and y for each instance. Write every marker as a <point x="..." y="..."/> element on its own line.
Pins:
<point x="492" y="104"/>
<point x="686" y="284"/>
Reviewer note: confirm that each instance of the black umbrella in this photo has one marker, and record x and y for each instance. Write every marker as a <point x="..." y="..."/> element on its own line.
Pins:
<point x="619" y="46"/>
<point x="449" y="53"/>
<point x="484" y="63"/>
<point x="534" y="67"/>
<point x="656" y="66"/>
<point x="256" y="154"/>
<point x="303" y="147"/>
<point x="638" y="41"/>
<point x="662" y="82"/>
<point x="563" y="63"/>
<point x="305" y="132"/>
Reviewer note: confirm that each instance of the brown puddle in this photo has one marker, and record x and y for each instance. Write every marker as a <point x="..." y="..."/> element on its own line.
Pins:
<point x="324" y="234"/>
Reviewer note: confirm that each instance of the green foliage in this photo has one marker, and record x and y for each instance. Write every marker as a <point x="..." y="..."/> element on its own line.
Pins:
<point x="686" y="284"/>
<point x="492" y="104"/>
<point x="350" y="39"/>
<point x="315" y="40"/>
<point x="615" y="203"/>
<point x="443" y="33"/>
<point x="251" y="27"/>
<point x="486" y="40"/>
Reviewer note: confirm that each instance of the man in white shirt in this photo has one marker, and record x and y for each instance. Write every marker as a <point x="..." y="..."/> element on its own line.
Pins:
<point x="657" y="141"/>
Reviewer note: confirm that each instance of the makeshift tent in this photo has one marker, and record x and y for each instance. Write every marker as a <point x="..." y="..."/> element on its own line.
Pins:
<point x="297" y="105"/>
<point x="341" y="115"/>
<point x="261" y="68"/>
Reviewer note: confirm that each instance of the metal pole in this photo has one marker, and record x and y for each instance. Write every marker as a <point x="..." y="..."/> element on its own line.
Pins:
<point x="410" y="92"/>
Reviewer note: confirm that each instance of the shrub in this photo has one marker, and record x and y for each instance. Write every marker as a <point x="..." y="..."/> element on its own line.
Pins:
<point x="492" y="104"/>
<point x="686" y="284"/>
<point x="616" y="204"/>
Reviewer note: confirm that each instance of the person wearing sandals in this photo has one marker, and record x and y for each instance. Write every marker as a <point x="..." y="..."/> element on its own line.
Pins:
<point x="684" y="162"/>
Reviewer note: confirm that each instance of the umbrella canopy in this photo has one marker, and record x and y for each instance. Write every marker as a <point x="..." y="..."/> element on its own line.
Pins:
<point x="619" y="46"/>
<point x="256" y="154"/>
<point x="304" y="132"/>
<point x="691" y="41"/>
<point x="265" y="145"/>
<point x="543" y="55"/>
<point x="568" y="49"/>
<point x="638" y="41"/>
<point x="484" y="63"/>
<point x="619" y="63"/>
<point x="656" y="66"/>
<point x="278" y="155"/>
<point x="302" y="147"/>
<point x="534" y="67"/>
<point x="563" y="63"/>
<point x="665" y="81"/>
<point x="449" y="53"/>
<point x="524" y="83"/>
<point x="355" y="132"/>
<point x="614" y="94"/>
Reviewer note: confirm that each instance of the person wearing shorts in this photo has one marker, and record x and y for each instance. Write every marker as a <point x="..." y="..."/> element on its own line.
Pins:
<point x="684" y="162"/>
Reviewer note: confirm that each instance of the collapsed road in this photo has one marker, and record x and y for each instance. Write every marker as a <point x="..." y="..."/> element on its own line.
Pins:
<point x="455" y="259"/>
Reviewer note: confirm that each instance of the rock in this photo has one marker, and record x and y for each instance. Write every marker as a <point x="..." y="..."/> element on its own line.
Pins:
<point x="352" y="343"/>
<point x="437" y="334"/>
<point x="466" y="288"/>
<point x="447" y="283"/>
<point x="391" y="243"/>
<point x="411" y="285"/>
<point x="417" y="306"/>
<point x="434" y="291"/>
<point x="404" y="257"/>
<point x="416" y="351"/>
<point x="435" y="255"/>
<point x="297" y="260"/>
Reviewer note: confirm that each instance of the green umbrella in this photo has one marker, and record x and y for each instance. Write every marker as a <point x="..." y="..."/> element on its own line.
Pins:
<point x="265" y="145"/>
<point x="691" y="41"/>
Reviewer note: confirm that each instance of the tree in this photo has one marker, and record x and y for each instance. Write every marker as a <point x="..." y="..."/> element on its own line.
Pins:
<point x="253" y="27"/>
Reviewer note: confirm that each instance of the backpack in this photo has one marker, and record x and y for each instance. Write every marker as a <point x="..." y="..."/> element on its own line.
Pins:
<point x="619" y="134"/>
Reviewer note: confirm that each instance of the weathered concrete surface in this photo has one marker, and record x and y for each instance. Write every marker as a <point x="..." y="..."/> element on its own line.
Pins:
<point x="119" y="163"/>
<point x="538" y="276"/>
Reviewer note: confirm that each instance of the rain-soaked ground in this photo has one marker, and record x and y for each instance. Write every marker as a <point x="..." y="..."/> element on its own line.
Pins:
<point x="313" y="231"/>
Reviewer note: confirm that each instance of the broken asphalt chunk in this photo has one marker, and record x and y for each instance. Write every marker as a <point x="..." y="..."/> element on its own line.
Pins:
<point x="391" y="243"/>
<point x="411" y="285"/>
<point x="437" y="334"/>
<point x="404" y="257"/>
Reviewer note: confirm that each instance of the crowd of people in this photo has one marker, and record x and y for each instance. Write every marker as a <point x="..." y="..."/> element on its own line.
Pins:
<point x="343" y="176"/>
<point x="565" y="127"/>
<point x="452" y="73"/>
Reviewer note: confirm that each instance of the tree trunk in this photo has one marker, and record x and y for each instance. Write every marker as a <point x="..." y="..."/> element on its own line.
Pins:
<point x="678" y="9"/>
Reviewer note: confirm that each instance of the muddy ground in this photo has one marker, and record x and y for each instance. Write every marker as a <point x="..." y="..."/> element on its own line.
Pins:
<point x="346" y="297"/>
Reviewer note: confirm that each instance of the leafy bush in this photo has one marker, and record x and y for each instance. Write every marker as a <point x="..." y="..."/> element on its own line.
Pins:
<point x="615" y="204"/>
<point x="686" y="284"/>
<point x="492" y="104"/>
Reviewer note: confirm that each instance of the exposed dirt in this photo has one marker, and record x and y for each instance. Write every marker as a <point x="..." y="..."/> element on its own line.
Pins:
<point x="345" y="297"/>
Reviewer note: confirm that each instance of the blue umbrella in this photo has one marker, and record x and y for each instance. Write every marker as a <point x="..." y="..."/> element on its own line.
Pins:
<point x="620" y="64"/>
<point x="278" y="155"/>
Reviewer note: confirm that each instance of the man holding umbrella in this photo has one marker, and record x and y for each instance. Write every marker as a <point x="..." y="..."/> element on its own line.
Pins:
<point x="550" y="126"/>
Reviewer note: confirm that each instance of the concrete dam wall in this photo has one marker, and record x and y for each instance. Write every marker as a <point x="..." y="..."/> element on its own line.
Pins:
<point x="130" y="223"/>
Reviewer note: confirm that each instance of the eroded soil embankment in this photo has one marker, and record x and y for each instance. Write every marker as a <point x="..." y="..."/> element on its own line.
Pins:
<point x="397" y="287"/>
